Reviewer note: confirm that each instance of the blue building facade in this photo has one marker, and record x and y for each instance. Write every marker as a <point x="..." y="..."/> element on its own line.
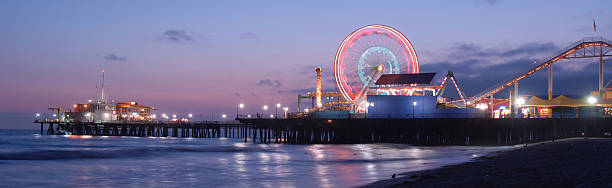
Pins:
<point x="394" y="106"/>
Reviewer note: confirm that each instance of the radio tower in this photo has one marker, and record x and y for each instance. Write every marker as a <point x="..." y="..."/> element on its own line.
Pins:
<point x="102" y="95"/>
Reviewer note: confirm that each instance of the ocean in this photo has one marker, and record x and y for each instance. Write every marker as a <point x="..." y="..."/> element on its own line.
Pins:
<point x="29" y="159"/>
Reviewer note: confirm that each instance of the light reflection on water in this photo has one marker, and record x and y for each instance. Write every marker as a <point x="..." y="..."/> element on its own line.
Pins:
<point x="27" y="159"/>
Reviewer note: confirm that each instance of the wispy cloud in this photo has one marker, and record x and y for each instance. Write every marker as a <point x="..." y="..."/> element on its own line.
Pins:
<point x="113" y="57"/>
<point x="174" y="35"/>
<point x="270" y="83"/>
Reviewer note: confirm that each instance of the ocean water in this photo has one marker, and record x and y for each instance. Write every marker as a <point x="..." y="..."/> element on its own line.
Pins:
<point x="30" y="159"/>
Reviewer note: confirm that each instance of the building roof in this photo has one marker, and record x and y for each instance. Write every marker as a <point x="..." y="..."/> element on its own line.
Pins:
<point x="400" y="79"/>
<point x="563" y="100"/>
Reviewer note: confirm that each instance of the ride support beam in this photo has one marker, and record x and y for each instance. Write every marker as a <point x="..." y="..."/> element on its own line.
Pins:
<point x="550" y="82"/>
<point x="601" y="73"/>
<point x="299" y="103"/>
<point x="516" y="95"/>
<point x="510" y="101"/>
<point x="491" y="105"/>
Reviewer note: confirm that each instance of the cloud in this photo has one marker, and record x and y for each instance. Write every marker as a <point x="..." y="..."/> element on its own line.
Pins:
<point x="477" y="68"/>
<point x="253" y="94"/>
<point x="483" y="57"/>
<point x="249" y="36"/>
<point x="304" y="91"/>
<point x="237" y="94"/>
<point x="113" y="57"/>
<point x="270" y="83"/>
<point x="178" y="36"/>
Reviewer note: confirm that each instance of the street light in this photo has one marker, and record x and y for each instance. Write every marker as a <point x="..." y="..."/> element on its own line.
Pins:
<point x="592" y="100"/>
<point x="223" y="116"/>
<point x="278" y="105"/>
<point x="285" y="109"/>
<point x="241" y="105"/>
<point x="265" y="107"/>
<point x="190" y="115"/>
<point x="520" y="101"/>
<point x="306" y="110"/>
<point x="414" y="103"/>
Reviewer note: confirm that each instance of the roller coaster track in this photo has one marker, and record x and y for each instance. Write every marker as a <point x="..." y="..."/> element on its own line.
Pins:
<point x="578" y="49"/>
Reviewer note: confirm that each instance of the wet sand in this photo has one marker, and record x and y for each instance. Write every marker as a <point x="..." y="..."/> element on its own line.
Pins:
<point x="575" y="162"/>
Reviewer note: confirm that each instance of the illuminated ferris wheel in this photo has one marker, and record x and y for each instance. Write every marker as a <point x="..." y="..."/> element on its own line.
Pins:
<point x="363" y="50"/>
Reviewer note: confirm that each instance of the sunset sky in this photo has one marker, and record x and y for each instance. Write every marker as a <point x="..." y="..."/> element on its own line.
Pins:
<point x="205" y="56"/>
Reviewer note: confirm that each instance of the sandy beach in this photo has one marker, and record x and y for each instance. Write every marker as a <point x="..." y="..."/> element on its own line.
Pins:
<point x="575" y="162"/>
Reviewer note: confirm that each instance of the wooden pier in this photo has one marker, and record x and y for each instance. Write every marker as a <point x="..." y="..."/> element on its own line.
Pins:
<point x="206" y="129"/>
<point x="426" y="131"/>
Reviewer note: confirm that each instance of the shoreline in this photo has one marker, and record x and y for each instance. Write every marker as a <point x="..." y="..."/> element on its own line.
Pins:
<point x="580" y="161"/>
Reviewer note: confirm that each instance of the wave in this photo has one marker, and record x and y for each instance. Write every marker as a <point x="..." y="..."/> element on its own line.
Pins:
<point x="118" y="153"/>
<point x="382" y="160"/>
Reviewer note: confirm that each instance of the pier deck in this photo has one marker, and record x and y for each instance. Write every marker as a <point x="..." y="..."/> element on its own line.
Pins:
<point x="458" y="131"/>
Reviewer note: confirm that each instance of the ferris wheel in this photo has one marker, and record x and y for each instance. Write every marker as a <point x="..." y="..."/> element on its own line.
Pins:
<point x="364" y="50"/>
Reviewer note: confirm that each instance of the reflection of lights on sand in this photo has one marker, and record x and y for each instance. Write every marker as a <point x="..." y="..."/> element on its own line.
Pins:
<point x="80" y="136"/>
<point x="264" y="159"/>
<point x="474" y="155"/>
<point x="222" y="138"/>
<point x="365" y="150"/>
<point x="322" y="172"/>
<point x="371" y="169"/>
<point x="316" y="150"/>
<point x="240" y="145"/>
<point x="239" y="159"/>
<point x="104" y="136"/>
<point x="223" y="160"/>
<point x="280" y="158"/>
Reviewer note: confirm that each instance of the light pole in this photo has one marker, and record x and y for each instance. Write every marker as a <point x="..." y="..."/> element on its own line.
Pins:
<point x="241" y="105"/>
<point x="278" y="105"/>
<point x="265" y="108"/>
<point x="285" y="109"/>
<point x="592" y="100"/>
<point x="519" y="103"/>
<point x="413" y="105"/>
<point x="466" y="109"/>
<point x="223" y="116"/>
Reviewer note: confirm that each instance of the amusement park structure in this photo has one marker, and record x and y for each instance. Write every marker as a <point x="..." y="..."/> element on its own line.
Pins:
<point x="450" y="76"/>
<point x="377" y="62"/>
<point x="591" y="47"/>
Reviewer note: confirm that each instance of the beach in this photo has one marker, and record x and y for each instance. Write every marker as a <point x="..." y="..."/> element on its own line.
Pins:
<point x="574" y="162"/>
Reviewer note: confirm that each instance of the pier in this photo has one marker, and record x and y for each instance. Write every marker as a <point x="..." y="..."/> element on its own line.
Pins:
<point x="423" y="131"/>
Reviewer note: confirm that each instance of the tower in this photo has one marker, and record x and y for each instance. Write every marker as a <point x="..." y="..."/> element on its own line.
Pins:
<point x="102" y="94"/>
<point x="318" y="89"/>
